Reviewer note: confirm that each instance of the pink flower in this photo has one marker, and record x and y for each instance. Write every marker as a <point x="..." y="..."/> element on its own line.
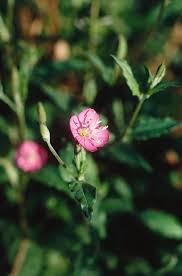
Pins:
<point x="31" y="157"/>
<point x="87" y="130"/>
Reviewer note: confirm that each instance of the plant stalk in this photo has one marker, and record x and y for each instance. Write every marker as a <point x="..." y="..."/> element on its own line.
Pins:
<point x="133" y="119"/>
<point x="60" y="161"/>
<point x="94" y="14"/>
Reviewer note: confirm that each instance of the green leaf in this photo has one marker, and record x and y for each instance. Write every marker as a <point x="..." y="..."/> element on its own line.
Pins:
<point x="33" y="263"/>
<point x="160" y="73"/>
<point x="165" y="224"/>
<point x="122" y="188"/>
<point x="85" y="195"/>
<point x="29" y="59"/>
<point x="165" y="85"/>
<point x="10" y="238"/>
<point x="90" y="91"/>
<point x="148" y="74"/>
<point x="105" y="71"/>
<point x="138" y="266"/>
<point x="54" y="69"/>
<point x="91" y="171"/>
<point x="118" y="112"/>
<point x="128" y="74"/>
<point x="4" y="126"/>
<point x="116" y="205"/>
<point x="67" y="154"/>
<point x="50" y="177"/>
<point x="4" y="33"/>
<point x="61" y="100"/>
<point x="148" y="128"/>
<point x="122" y="47"/>
<point x="126" y="154"/>
<point x="3" y="176"/>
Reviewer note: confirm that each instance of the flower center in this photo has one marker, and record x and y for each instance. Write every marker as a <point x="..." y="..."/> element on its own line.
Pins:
<point x="84" y="132"/>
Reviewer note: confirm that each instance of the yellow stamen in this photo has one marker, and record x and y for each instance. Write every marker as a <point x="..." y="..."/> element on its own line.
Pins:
<point x="84" y="132"/>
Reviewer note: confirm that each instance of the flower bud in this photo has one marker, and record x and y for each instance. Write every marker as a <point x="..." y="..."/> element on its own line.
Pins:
<point x="45" y="133"/>
<point x="41" y="113"/>
<point x="30" y="157"/>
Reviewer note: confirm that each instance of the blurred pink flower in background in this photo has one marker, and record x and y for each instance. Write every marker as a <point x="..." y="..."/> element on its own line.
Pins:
<point x="88" y="131"/>
<point x="30" y="157"/>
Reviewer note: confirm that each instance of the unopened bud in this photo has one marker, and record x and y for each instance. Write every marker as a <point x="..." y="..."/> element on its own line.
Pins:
<point x="41" y="113"/>
<point x="45" y="133"/>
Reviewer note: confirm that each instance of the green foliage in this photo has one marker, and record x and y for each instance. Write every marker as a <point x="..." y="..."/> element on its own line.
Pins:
<point x="130" y="79"/>
<point x="29" y="59"/>
<point x="59" y="53"/>
<point x="62" y="101"/>
<point x="116" y="205"/>
<point x="165" y="224"/>
<point x="160" y="73"/>
<point x="149" y="127"/>
<point x="123" y="189"/>
<point x="55" y="69"/>
<point x="50" y="177"/>
<point x="90" y="91"/>
<point x="85" y="195"/>
<point x="33" y="262"/>
<point x="127" y="155"/>
<point x="138" y="267"/>
<point x="105" y="72"/>
<point x="118" y="112"/>
<point x="165" y="86"/>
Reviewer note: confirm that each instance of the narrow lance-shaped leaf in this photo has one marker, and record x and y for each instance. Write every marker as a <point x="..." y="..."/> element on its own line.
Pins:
<point x="160" y="73"/>
<point x="106" y="72"/>
<point x="126" y="154"/>
<point x="118" y="112"/>
<point x="162" y="223"/>
<point x="164" y="86"/>
<point x="90" y="90"/>
<point x="148" y="128"/>
<point x="128" y="74"/>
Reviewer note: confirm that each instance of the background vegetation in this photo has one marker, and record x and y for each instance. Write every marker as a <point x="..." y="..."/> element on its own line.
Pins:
<point x="59" y="53"/>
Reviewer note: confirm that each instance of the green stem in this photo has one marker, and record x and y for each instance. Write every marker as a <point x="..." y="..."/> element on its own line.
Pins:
<point x="7" y="101"/>
<point x="23" y="179"/>
<point x="94" y="14"/>
<point x="60" y="161"/>
<point x="22" y="124"/>
<point x="10" y="13"/>
<point x="133" y="119"/>
<point x="22" y="128"/>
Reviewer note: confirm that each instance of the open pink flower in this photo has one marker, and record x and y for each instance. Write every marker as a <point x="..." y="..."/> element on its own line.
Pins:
<point x="31" y="157"/>
<point x="87" y="130"/>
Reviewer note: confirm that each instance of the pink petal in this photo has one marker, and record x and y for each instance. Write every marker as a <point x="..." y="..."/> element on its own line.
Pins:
<point x="89" y="117"/>
<point x="30" y="157"/>
<point x="86" y="143"/>
<point x="100" y="137"/>
<point x="74" y="122"/>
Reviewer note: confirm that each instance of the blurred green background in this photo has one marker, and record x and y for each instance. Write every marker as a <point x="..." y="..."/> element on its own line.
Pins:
<point x="62" y="54"/>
